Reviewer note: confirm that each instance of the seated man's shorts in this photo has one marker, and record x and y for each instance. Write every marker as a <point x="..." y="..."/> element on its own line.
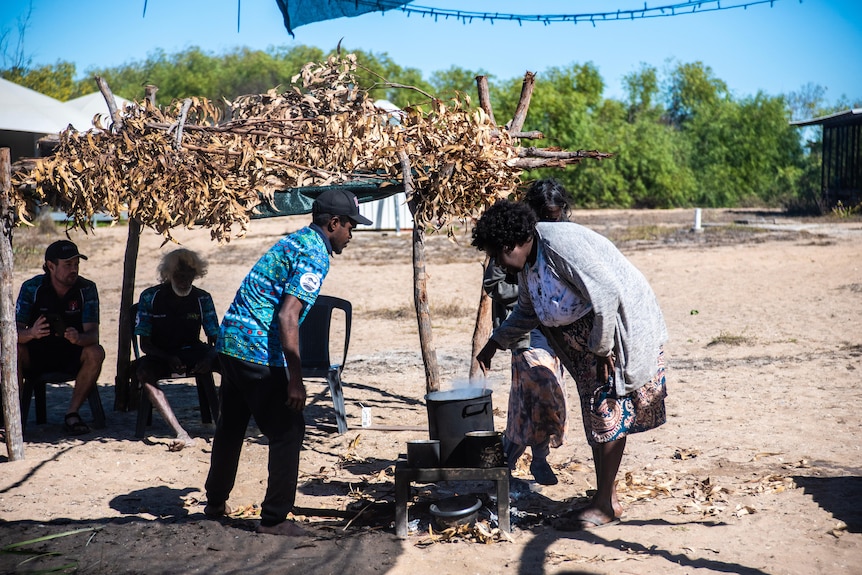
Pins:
<point x="53" y="354"/>
<point x="190" y="356"/>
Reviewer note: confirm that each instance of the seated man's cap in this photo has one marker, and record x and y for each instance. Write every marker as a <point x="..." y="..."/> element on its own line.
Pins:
<point x="62" y="250"/>
<point x="339" y="202"/>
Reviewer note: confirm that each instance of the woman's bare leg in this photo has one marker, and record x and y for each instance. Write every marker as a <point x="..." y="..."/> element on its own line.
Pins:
<point x="605" y="505"/>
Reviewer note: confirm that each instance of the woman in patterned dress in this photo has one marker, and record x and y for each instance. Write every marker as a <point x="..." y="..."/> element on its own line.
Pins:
<point x="603" y="320"/>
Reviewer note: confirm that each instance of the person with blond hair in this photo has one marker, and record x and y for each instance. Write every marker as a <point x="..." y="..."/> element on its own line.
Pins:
<point x="169" y="321"/>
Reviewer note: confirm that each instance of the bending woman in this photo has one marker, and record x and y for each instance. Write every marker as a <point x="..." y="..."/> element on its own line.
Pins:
<point x="603" y="321"/>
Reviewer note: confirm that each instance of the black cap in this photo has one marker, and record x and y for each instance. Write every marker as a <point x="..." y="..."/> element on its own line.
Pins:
<point x="62" y="250"/>
<point x="339" y="202"/>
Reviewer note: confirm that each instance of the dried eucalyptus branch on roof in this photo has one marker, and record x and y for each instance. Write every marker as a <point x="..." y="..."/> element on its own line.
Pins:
<point x="186" y="165"/>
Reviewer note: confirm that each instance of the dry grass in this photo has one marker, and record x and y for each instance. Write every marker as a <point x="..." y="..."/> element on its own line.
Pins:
<point x="443" y="311"/>
<point x="725" y="338"/>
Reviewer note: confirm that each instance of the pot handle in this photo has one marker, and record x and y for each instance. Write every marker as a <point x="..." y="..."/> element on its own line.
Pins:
<point x="466" y="412"/>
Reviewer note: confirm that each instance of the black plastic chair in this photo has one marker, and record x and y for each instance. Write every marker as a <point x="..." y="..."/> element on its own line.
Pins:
<point x="205" y="383"/>
<point x="314" y="336"/>
<point x="36" y="386"/>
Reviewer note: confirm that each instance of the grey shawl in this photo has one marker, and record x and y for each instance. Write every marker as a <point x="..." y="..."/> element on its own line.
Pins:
<point x="628" y="320"/>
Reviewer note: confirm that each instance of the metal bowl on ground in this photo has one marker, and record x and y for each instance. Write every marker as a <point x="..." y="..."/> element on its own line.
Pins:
<point x="456" y="511"/>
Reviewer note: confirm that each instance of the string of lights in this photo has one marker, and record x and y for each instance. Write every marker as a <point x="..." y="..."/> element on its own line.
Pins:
<point x="467" y="17"/>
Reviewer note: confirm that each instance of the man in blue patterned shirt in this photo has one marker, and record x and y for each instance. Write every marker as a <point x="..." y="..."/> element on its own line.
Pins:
<point x="169" y="322"/>
<point x="261" y="369"/>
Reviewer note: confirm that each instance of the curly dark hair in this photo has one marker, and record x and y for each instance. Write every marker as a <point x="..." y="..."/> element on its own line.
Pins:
<point x="547" y="192"/>
<point x="503" y="226"/>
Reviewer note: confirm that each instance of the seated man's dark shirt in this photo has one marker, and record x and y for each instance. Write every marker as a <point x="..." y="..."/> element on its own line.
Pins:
<point x="79" y="306"/>
<point x="173" y="323"/>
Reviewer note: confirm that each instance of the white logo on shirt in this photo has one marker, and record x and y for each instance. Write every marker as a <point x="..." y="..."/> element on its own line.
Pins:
<point x="310" y="282"/>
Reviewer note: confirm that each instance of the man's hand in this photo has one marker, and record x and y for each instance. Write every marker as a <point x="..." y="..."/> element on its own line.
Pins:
<point x="288" y="333"/>
<point x="176" y="364"/>
<point x="40" y="328"/>
<point x="72" y="335"/>
<point x="205" y="365"/>
<point x="296" y="394"/>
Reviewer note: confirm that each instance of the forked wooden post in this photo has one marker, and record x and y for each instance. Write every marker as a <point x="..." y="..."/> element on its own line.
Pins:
<point x="482" y="329"/>
<point x="420" y="285"/>
<point x="8" y="329"/>
<point x="122" y="392"/>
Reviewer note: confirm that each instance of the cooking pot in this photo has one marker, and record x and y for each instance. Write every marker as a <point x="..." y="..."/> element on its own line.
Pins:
<point x="423" y="453"/>
<point x="452" y="414"/>
<point x="484" y="449"/>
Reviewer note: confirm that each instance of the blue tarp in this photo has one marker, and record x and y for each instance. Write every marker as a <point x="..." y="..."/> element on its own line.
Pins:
<point x="297" y="201"/>
<point x="300" y="12"/>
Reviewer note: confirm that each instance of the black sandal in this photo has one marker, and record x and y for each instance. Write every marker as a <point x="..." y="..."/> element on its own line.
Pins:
<point x="74" y="427"/>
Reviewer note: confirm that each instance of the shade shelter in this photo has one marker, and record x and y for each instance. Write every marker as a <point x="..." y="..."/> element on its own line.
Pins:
<point x="841" y="170"/>
<point x="181" y="166"/>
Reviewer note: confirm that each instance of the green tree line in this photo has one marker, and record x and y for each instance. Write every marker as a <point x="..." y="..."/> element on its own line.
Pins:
<point x="679" y="136"/>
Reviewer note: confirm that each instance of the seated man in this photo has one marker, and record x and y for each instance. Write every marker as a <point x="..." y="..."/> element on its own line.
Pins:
<point x="57" y="315"/>
<point x="170" y="317"/>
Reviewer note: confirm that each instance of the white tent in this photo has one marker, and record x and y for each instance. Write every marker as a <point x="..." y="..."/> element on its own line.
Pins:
<point x="94" y="103"/>
<point x="25" y="110"/>
<point x="26" y="116"/>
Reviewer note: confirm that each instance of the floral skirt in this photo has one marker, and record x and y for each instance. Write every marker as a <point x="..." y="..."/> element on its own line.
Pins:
<point x="537" y="400"/>
<point x="607" y="417"/>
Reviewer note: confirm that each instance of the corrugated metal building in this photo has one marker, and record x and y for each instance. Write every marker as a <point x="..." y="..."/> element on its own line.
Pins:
<point x="389" y="213"/>
<point x="841" y="171"/>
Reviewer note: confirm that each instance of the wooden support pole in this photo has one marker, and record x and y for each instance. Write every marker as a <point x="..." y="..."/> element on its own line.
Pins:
<point x="420" y="285"/>
<point x="482" y="330"/>
<point x="485" y="97"/>
<point x="123" y="401"/>
<point x="116" y="118"/>
<point x="8" y="327"/>
<point x="122" y="389"/>
<point x="523" y="103"/>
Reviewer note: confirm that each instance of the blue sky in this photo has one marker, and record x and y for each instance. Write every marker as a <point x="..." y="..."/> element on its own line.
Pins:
<point x="774" y="49"/>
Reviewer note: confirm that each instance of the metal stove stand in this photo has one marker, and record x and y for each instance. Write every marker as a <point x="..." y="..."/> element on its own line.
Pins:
<point x="404" y="476"/>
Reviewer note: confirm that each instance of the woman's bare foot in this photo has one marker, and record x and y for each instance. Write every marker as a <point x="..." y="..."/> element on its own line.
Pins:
<point x="181" y="443"/>
<point x="285" y="528"/>
<point x="583" y="519"/>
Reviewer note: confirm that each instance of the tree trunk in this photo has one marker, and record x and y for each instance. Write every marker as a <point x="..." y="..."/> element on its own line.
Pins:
<point x="420" y="286"/>
<point x="8" y="328"/>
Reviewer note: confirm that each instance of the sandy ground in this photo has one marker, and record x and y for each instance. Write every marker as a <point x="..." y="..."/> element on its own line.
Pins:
<point x="757" y="471"/>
